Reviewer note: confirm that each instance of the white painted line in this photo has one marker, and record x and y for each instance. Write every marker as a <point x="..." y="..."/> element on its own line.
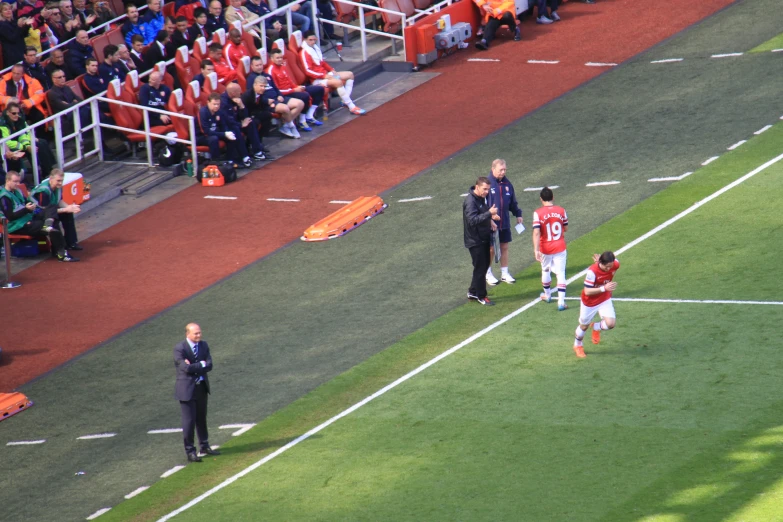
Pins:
<point x="466" y="194"/>
<point x="602" y="183"/>
<point x="726" y="55"/>
<point x="687" y="301"/>
<point x="777" y="50"/>
<point x="220" y="197"/>
<point x="710" y="160"/>
<point x="339" y="202"/>
<point x="284" y="200"/>
<point x="96" y="436"/>
<point x="483" y="60"/>
<point x="667" y="60"/>
<point x="546" y="62"/>
<point x="763" y="129"/>
<point x="98" y="513"/>
<point x="539" y="189"/>
<point x="136" y="492"/>
<point x="25" y="442"/>
<point x="172" y="471"/>
<point x="165" y="430"/>
<point x="740" y="142"/>
<point x="423" y="198"/>
<point x="242" y="428"/>
<point x="599" y="64"/>
<point x="672" y="178"/>
<point x="453" y="349"/>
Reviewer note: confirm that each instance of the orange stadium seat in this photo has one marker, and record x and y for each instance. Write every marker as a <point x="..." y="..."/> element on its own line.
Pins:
<point x="200" y="49"/>
<point x="243" y="71"/>
<point x="98" y="43"/>
<point x="76" y="88"/>
<point x="295" y="41"/>
<point x="345" y="13"/>
<point x="182" y="105"/>
<point x="132" y="85"/>
<point x="392" y="22"/>
<point x="186" y="65"/>
<point x="169" y="9"/>
<point x="219" y="36"/>
<point x="168" y="80"/>
<point x="211" y="84"/>
<point x="195" y="95"/>
<point x="187" y="11"/>
<point x="115" y="36"/>
<point x="129" y="117"/>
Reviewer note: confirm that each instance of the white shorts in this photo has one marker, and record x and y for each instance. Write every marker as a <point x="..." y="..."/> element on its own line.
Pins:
<point x="321" y="83"/>
<point x="586" y="313"/>
<point x="555" y="263"/>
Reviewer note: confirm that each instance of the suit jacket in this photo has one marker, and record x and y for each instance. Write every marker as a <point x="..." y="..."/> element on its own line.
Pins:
<point x="141" y="63"/>
<point x="188" y="374"/>
<point x="195" y="32"/>
<point x="154" y="55"/>
<point x="178" y="40"/>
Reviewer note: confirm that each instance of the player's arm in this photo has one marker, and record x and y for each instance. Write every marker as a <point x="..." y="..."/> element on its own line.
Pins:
<point x="592" y="289"/>
<point x="536" y="243"/>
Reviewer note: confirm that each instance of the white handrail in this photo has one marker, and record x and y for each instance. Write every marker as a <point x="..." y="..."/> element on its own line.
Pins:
<point x="430" y="10"/>
<point x="364" y="29"/>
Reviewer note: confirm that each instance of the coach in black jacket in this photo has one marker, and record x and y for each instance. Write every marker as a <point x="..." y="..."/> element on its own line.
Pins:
<point x="192" y="362"/>
<point x="477" y="217"/>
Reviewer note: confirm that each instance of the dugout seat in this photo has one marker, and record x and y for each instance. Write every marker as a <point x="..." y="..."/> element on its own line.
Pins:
<point x="195" y="95"/>
<point x="186" y="65"/>
<point x="242" y="71"/>
<point x="200" y="49"/>
<point x="392" y="22"/>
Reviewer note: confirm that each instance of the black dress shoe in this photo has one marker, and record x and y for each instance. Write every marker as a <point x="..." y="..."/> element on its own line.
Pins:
<point x="192" y="457"/>
<point x="75" y="246"/>
<point x="209" y="451"/>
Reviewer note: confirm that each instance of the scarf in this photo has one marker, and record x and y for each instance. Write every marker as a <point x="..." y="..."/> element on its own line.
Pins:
<point x="314" y="52"/>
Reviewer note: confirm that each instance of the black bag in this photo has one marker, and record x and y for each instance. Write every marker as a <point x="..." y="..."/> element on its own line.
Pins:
<point x="168" y="155"/>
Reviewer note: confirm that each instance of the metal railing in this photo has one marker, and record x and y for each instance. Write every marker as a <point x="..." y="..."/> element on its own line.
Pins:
<point x="421" y="13"/>
<point x="7" y="283"/>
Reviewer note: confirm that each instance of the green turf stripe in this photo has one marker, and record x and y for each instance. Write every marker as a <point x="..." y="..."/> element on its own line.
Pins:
<point x="769" y="45"/>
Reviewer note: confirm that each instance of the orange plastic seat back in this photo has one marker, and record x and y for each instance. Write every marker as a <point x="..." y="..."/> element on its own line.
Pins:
<point x="200" y="49"/>
<point x="242" y="71"/>
<point x="187" y="67"/>
<point x="195" y="95"/>
<point x="211" y="84"/>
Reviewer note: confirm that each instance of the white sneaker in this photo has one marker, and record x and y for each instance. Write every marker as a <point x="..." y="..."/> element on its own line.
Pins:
<point x="554" y="16"/>
<point x="295" y="131"/>
<point x="492" y="280"/>
<point x="285" y="130"/>
<point x="506" y="278"/>
<point x="543" y="20"/>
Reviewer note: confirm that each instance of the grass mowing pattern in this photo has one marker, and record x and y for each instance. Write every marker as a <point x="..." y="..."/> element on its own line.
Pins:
<point x="769" y="45"/>
<point x="452" y="328"/>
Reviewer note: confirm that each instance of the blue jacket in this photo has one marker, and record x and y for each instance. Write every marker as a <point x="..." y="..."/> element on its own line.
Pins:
<point x="95" y="84"/>
<point x="109" y="73"/>
<point x="77" y="55"/>
<point x="232" y="114"/>
<point x="129" y="30"/>
<point x="158" y="98"/>
<point x="152" y="25"/>
<point x="261" y="10"/>
<point x="209" y="124"/>
<point x="501" y="194"/>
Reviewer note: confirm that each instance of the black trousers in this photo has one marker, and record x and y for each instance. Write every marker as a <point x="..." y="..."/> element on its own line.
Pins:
<point x="194" y="418"/>
<point x="46" y="160"/>
<point x="494" y="24"/>
<point x="480" y="256"/>
<point x="35" y="226"/>
<point x="69" y="228"/>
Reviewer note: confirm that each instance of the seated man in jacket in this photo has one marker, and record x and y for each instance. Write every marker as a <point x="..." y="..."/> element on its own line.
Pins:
<point x="93" y="84"/>
<point x="137" y="54"/>
<point x="238" y="119"/>
<point x="110" y="68"/>
<point x="19" y="147"/>
<point x="78" y="52"/>
<point x="132" y="25"/>
<point x="225" y="72"/>
<point x="155" y="94"/>
<point x="311" y="95"/>
<point x="23" y="219"/>
<point x="49" y="194"/>
<point x="497" y="13"/>
<point x="211" y="128"/>
<point x="57" y="62"/>
<point x="153" y="21"/>
<point x="25" y="89"/>
<point x="234" y="50"/>
<point x="34" y="69"/>
<point x="199" y="27"/>
<point x="207" y="67"/>
<point x="215" y="18"/>
<point x="181" y="36"/>
<point x="324" y="75"/>
<point x="61" y="98"/>
<point x="236" y="11"/>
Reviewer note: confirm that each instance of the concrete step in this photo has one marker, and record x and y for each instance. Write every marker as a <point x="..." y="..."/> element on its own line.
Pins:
<point x="147" y="181"/>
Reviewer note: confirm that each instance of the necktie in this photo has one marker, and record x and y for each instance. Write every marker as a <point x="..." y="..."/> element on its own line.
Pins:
<point x="195" y="350"/>
<point x="19" y="89"/>
<point x="203" y="31"/>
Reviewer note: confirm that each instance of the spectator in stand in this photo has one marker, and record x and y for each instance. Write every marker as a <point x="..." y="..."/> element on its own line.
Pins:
<point x="234" y="50"/>
<point x="103" y="11"/>
<point x="22" y="218"/>
<point x="266" y="97"/>
<point x="34" y="69"/>
<point x="327" y="12"/>
<point x="274" y="24"/>
<point x="215" y="18"/>
<point x="153" y="21"/>
<point x="24" y="89"/>
<point x="199" y="27"/>
<point x="180" y="3"/>
<point x="57" y="62"/>
<point x="49" y="194"/>
<point x="256" y="69"/>
<point x="93" y="83"/>
<point x="78" y="52"/>
<point x="310" y="95"/>
<point x="181" y="36"/>
<point x="206" y="67"/>
<point x="61" y="98"/>
<point x="236" y="11"/>
<point x="301" y="14"/>
<point x="239" y="121"/>
<point x="211" y="128"/>
<point x="110" y="69"/>
<point x="171" y="28"/>
<point x="157" y="51"/>
<point x="63" y="29"/>
<point x="133" y="25"/>
<point x="13" y="121"/>
<point x="36" y="10"/>
<point x="497" y="13"/>
<point x="86" y="16"/>
<point x="155" y="94"/>
<point x="125" y="64"/>
<point x="12" y="34"/>
<point x="324" y="75"/>
<point x="137" y="54"/>
<point x="226" y="74"/>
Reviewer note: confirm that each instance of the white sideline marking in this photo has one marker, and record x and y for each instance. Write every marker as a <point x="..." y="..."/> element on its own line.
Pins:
<point x="740" y="142"/>
<point x="98" y="513"/>
<point x="25" y="442"/>
<point x="220" y="197"/>
<point x="453" y="349"/>
<point x="539" y="189"/>
<point x="172" y="471"/>
<point x="242" y="428"/>
<point x="165" y="430"/>
<point x="96" y="436"/>
<point x="686" y="301"/>
<point x="599" y="64"/>
<point x="602" y="183"/>
<point x="777" y="50"/>
<point x="672" y="178"/>
<point x="726" y="55"/>
<point x="546" y="62"/>
<point x="136" y="492"/>
<point x="466" y="194"/>
<point x="763" y="129"/>
<point x="339" y="202"/>
<point x="667" y="60"/>
<point x="283" y="200"/>
<point x="423" y="198"/>
<point x="483" y="60"/>
<point x="710" y="160"/>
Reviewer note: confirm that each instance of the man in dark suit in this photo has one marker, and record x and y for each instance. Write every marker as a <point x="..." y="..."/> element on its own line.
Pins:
<point x="199" y="28"/>
<point x="181" y="36"/>
<point x="192" y="362"/>
<point x="157" y="50"/>
<point x="137" y="54"/>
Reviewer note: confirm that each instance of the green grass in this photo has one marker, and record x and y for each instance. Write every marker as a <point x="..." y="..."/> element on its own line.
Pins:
<point x="514" y="425"/>
<point x="769" y="45"/>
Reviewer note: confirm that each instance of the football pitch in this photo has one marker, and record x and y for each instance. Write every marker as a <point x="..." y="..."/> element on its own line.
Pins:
<point x="674" y="416"/>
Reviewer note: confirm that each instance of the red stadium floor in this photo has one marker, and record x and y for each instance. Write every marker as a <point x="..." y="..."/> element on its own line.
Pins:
<point x="167" y="253"/>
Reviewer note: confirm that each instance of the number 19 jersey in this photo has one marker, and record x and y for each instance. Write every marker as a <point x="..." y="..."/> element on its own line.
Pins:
<point x="551" y="220"/>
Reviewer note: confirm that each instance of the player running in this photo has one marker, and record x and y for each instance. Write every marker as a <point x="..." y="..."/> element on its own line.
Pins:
<point x="597" y="298"/>
<point x="550" y="223"/>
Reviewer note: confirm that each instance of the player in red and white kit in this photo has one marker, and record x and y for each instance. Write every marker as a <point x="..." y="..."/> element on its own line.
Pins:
<point x="597" y="299"/>
<point x="323" y="74"/>
<point x="550" y="223"/>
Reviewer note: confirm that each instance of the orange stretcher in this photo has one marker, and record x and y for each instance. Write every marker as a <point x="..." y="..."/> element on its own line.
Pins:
<point x="13" y="403"/>
<point x="346" y="219"/>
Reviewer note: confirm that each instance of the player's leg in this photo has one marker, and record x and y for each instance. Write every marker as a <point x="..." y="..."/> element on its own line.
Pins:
<point x="586" y="314"/>
<point x="607" y="322"/>
<point x="347" y="78"/>
<point x="505" y="239"/>
<point x="546" y="277"/>
<point x="491" y="279"/>
<point x="559" y="267"/>
<point x="338" y="85"/>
